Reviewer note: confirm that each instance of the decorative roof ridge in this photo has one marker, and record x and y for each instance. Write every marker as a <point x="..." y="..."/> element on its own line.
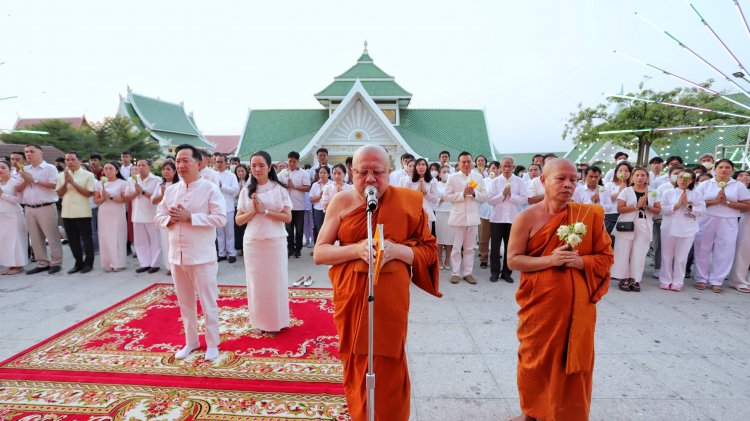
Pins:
<point x="289" y="109"/>
<point x="445" y="109"/>
<point x="178" y="104"/>
<point x="365" y="79"/>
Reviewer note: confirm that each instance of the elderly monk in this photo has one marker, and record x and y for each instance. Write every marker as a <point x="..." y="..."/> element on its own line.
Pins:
<point x="410" y="254"/>
<point x="558" y="294"/>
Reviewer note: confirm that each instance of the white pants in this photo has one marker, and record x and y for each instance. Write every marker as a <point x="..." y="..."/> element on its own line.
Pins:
<point x="225" y="237"/>
<point x="674" y="254"/>
<point x="463" y="237"/>
<point x="738" y="274"/>
<point x="200" y="280"/>
<point x="630" y="253"/>
<point x="147" y="241"/>
<point x="714" y="245"/>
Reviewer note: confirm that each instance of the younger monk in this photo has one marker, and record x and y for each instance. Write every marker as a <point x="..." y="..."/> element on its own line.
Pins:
<point x="558" y="294"/>
<point x="410" y="254"/>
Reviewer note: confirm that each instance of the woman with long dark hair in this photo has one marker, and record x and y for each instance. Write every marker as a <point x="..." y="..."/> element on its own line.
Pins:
<point x="422" y="181"/>
<point x="620" y="182"/>
<point x="168" y="177"/>
<point x="113" y="229"/>
<point x="322" y="179"/>
<point x="265" y="206"/>
<point x="338" y="173"/>
<point x="243" y="175"/>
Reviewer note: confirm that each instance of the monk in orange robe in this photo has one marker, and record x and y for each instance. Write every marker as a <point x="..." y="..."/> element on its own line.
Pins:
<point x="558" y="293"/>
<point x="410" y="255"/>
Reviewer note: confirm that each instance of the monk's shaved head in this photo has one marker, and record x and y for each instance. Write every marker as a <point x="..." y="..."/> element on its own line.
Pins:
<point x="370" y="167"/>
<point x="554" y="165"/>
<point x="370" y="151"/>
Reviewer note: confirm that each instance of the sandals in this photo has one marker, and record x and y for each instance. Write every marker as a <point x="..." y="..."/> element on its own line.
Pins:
<point x="635" y="286"/>
<point x="624" y="285"/>
<point x="744" y="290"/>
<point x="299" y="281"/>
<point x="700" y="286"/>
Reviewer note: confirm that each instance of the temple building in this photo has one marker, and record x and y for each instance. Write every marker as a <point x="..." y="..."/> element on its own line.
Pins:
<point x="168" y="123"/>
<point x="365" y="105"/>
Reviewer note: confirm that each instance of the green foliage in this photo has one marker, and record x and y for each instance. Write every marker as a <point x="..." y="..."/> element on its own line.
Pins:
<point x="61" y="135"/>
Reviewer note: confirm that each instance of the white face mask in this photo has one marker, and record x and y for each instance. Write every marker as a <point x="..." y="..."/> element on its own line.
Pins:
<point x="673" y="178"/>
<point x="620" y="161"/>
<point x="434" y="174"/>
<point x="708" y="164"/>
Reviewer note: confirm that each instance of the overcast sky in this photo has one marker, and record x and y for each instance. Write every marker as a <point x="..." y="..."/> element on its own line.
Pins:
<point x="528" y="64"/>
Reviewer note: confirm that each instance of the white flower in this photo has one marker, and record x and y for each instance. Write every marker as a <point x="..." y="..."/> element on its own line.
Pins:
<point x="563" y="231"/>
<point x="601" y="188"/>
<point x="579" y="228"/>
<point x="722" y="185"/>
<point x="492" y="175"/>
<point x="574" y="240"/>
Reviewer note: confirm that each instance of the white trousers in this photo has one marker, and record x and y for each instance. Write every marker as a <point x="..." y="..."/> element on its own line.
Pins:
<point x="225" y="237"/>
<point x="714" y="252"/>
<point x="674" y="255"/>
<point x="463" y="237"/>
<point x="200" y="280"/>
<point x="630" y="253"/>
<point x="147" y="241"/>
<point x="738" y="274"/>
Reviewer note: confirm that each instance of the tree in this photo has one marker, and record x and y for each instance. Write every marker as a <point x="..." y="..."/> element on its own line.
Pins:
<point x="61" y="135"/>
<point x="116" y="134"/>
<point x="585" y="125"/>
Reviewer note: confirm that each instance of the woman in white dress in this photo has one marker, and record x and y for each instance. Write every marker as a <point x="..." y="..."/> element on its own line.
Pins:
<point x="265" y="206"/>
<point x="621" y="181"/>
<point x="680" y="208"/>
<point x="408" y="174"/>
<point x="422" y="181"/>
<point x="339" y="184"/>
<point x="637" y="206"/>
<point x="112" y="225"/>
<point x="316" y="193"/>
<point x="13" y="253"/>
<point x="442" y="229"/>
<point x="168" y="177"/>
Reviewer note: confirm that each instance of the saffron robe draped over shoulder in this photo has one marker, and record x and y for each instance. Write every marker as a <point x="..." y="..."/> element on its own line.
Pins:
<point x="404" y="222"/>
<point x="557" y="319"/>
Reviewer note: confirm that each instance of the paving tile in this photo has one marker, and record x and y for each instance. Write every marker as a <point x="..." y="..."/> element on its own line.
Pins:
<point x="616" y="376"/>
<point x="723" y="409"/>
<point x="429" y="409"/>
<point x="438" y="311"/>
<point x="428" y="337"/>
<point x="616" y="338"/>
<point x="503" y="368"/>
<point x="479" y="312"/>
<point x="644" y="409"/>
<point x="495" y="337"/>
<point x="695" y="377"/>
<point x="451" y="376"/>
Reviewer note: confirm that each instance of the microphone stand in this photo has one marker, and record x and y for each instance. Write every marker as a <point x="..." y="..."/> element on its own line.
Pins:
<point x="370" y="377"/>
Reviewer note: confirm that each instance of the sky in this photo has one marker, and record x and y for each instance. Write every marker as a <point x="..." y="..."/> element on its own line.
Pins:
<point x="527" y="64"/>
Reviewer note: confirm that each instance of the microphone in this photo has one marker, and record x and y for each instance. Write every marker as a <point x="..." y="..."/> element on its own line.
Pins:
<point x="371" y="197"/>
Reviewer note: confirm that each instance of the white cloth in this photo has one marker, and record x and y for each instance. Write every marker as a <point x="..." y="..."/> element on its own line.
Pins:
<point x="583" y="195"/>
<point x="734" y="190"/>
<point x="613" y="190"/>
<point x="262" y="227"/>
<point x="33" y="194"/>
<point x="225" y="237"/>
<point x="464" y="237"/>
<point x="681" y="223"/>
<point x="674" y="256"/>
<point x="192" y="242"/>
<point x="299" y="178"/>
<point x="230" y="188"/>
<point x="394" y="179"/>
<point x="443" y="231"/>
<point x="142" y="208"/>
<point x="125" y="171"/>
<point x="738" y="275"/>
<point x="464" y="209"/>
<point x="428" y="200"/>
<point x="147" y="242"/>
<point x="505" y="210"/>
<point x="15" y="247"/>
<point x="628" y="195"/>
<point x="655" y="181"/>
<point x="536" y="188"/>
<point x="163" y="233"/>
<point x="330" y="190"/>
<point x="112" y="227"/>
<point x="661" y="189"/>
<point x="630" y="251"/>
<point x="485" y="209"/>
<point x="443" y="205"/>
<point x="198" y="280"/>
<point x="266" y="272"/>
<point x="208" y="173"/>
<point x="317" y="190"/>
<point x="713" y="248"/>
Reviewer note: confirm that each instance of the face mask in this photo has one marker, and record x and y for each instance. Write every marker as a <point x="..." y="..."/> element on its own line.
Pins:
<point x="673" y="178"/>
<point x="708" y="164"/>
<point x="434" y="174"/>
<point x="232" y="167"/>
<point x="620" y="161"/>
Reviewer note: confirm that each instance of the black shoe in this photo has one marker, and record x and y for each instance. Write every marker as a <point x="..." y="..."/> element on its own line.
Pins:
<point x="297" y="254"/>
<point x="86" y="269"/>
<point x="75" y="269"/>
<point x="483" y="265"/>
<point x="231" y="259"/>
<point x="290" y="254"/>
<point x="153" y="270"/>
<point x="169" y="273"/>
<point x="494" y="277"/>
<point x="221" y="258"/>
<point x="508" y="279"/>
<point x="54" y="269"/>
<point x="143" y="269"/>
<point x="37" y="270"/>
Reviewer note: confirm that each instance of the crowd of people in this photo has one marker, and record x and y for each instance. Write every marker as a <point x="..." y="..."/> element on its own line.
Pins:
<point x="690" y="218"/>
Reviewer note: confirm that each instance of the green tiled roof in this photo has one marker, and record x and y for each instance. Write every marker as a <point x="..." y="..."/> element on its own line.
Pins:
<point x="526" y="157"/>
<point x="374" y="88"/>
<point x="176" y="139"/>
<point x="364" y="71"/>
<point x="280" y="131"/>
<point x="690" y="149"/>
<point x="430" y="131"/>
<point x="161" y="115"/>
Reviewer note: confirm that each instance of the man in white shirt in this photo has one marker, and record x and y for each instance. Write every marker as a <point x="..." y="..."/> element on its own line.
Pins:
<point x="445" y="161"/>
<point x="538" y="160"/>
<point x="394" y="179"/>
<point x="322" y="155"/>
<point x="464" y="190"/>
<point x="707" y="160"/>
<point x="230" y="188"/>
<point x="506" y="194"/>
<point x="620" y="156"/>
<point x="297" y="181"/>
<point x="37" y="188"/>
<point x="206" y="171"/>
<point x="127" y="164"/>
<point x="591" y="192"/>
<point x="146" y="236"/>
<point x="655" y="177"/>
<point x="16" y="161"/>
<point x="191" y="211"/>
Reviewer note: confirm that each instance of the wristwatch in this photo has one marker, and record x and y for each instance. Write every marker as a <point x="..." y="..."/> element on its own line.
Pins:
<point x="265" y="211"/>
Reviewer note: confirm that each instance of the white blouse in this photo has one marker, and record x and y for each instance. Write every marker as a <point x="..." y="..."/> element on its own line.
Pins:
<point x="115" y="188"/>
<point x="443" y="205"/>
<point x="263" y="227"/>
<point x="330" y="190"/>
<point x="317" y="190"/>
<point x="428" y="199"/>
<point x="734" y="190"/>
<point x="9" y="201"/>
<point x="681" y="222"/>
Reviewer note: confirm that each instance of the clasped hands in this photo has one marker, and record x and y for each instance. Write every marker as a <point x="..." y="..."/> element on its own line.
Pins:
<point x="722" y="197"/>
<point x="390" y="250"/>
<point x="178" y="214"/>
<point x="468" y="191"/>
<point x="562" y="256"/>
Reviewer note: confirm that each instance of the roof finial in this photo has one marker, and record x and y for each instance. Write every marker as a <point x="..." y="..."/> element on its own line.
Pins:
<point x="365" y="51"/>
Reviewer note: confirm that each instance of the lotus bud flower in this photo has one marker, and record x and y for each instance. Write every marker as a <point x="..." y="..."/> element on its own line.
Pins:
<point x="722" y="185"/>
<point x="574" y="240"/>
<point x="621" y="176"/>
<point x="686" y="176"/>
<point x="492" y="174"/>
<point x="579" y="228"/>
<point x="601" y="189"/>
<point x="563" y="231"/>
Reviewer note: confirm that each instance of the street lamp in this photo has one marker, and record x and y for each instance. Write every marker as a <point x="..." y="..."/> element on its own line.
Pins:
<point x="741" y="75"/>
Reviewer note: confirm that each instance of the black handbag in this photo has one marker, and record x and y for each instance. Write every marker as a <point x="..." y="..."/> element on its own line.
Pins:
<point x="625" y="226"/>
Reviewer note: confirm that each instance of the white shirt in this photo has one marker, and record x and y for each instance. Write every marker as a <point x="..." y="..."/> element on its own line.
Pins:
<point x="680" y="222"/>
<point x="428" y="199"/>
<point x="209" y="174"/>
<point x="314" y="170"/>
<point x="229" y="188"/>
<point x="444" y="205"/>
<point x="299" y="178"/>
<point x="143" y="209"/>
<point x="395" y="178"/>
<point x="125" y="171"/>
<point x="464" y="209"/>
<point x="192" y="242"/>
<point x="9" y="198"/>
<point x="734" y="190"/>
<point x="505" y="210"/>
<point x="330" y="190"/>
<point x="34" y="194"/>
<point x="583" y="195"/>
<point x="536" y="188"/>
<point x="275" y="198"/>
<point x="485" y="209"/>
<point x="612" y="189"/>
<point x="317" y="190"/>
<point x="654" y="181"/>
<point x="661" y="189"/>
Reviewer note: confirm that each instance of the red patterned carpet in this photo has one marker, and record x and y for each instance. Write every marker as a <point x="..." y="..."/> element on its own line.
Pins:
<point x="119" y="364"/>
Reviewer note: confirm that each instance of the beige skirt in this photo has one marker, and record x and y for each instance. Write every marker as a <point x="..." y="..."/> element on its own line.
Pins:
<point x="267" y="276"/>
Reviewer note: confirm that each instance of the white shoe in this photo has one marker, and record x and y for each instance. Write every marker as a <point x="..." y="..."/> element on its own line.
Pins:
<point x="212" y="354"/>
<point x="184" y="352"/>
<point x="308" y="281"/>
<point x="298" y="282"/>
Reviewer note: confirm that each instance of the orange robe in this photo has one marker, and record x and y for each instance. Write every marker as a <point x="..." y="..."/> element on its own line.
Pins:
<point x="404" y="222"/>
<point x="557" y="320"/>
